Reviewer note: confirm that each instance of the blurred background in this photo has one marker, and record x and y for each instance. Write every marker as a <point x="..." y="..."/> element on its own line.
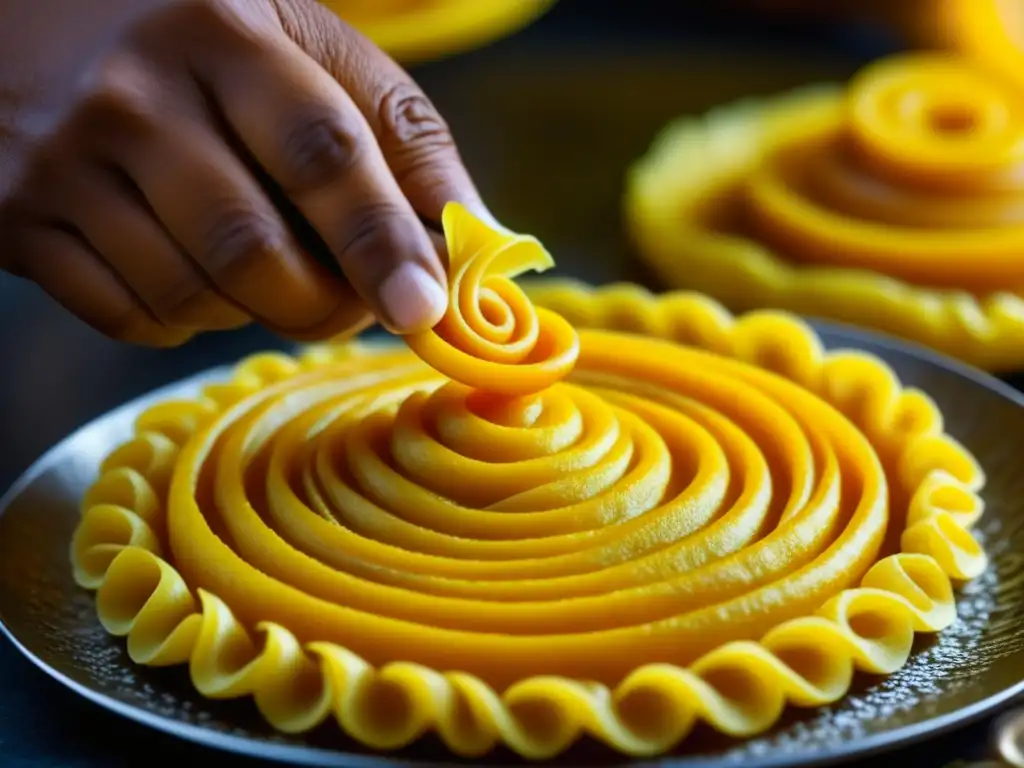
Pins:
<point x="548" y="119"/>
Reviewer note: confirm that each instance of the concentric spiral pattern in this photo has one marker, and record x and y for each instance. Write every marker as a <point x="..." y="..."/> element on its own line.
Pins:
<point x="494" y="339"/>
<point x="671" y="534"/>
<point x="898" y="204"/>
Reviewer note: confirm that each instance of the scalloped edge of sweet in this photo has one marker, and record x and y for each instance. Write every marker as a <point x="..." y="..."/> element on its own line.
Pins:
<point x="664" y="184"/>
<point x="652" y="709"/>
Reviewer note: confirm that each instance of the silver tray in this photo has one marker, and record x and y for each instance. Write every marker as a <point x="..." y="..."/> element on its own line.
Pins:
<point x="967" y="671"/>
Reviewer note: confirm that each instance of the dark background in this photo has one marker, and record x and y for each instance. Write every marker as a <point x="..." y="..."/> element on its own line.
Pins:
<point x="548" y="120"/>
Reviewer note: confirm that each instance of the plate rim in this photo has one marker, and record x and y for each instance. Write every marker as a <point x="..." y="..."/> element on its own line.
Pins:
<point x="838" y="334"/>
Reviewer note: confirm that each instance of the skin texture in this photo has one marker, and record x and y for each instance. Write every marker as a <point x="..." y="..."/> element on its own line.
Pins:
<point x="163" y="163"/>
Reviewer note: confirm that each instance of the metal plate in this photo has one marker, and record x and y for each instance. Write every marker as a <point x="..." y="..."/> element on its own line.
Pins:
<point x="966" y="671"/>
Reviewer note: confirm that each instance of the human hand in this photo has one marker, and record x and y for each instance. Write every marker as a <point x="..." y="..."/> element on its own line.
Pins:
<point x="156" y="154"/>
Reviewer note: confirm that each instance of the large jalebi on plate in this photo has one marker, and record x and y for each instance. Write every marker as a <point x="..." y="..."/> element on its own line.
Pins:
<point x="510" y="531"/>
<point x="896" y="203"/>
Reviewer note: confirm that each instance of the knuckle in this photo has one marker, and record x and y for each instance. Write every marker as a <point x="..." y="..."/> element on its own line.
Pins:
<point x="201" y="309"/>
<point x="411" y="122"/>
<point x="239" y="239"/>
<point x="117" y="95"/>
<point x="318" y="148"/>
<point x="319" y="32"/>
<point x="171" y="301"/>
<point x="126" y="322"/>
<point x="370" y="227"/>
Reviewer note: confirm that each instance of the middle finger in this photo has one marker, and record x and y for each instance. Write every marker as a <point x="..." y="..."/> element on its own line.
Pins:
<point x="210" y="203"/>
<point x="306" y="132"/>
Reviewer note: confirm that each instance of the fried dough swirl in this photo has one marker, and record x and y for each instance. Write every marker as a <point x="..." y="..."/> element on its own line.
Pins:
<point x="652" y="535"/>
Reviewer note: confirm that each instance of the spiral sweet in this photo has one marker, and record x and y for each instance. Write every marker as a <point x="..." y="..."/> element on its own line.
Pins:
<point x="661" y="534"/>
<point x="897" y="204"/>
<point x="419" y="30"/>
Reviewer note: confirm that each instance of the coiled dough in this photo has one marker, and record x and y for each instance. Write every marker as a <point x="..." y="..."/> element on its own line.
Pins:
<point x="652" y="535"/>
<point x="896" y="203"/>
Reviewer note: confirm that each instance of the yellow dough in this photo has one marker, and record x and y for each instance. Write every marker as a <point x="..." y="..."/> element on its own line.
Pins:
<point x="417" y="30"/>
<point x="896" y="203"/>
<point x="566" y="532"/>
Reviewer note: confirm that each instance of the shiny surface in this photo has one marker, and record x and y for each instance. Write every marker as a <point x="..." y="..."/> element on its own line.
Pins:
<point x="548" y="121"/>
<point x="974" y="665"/>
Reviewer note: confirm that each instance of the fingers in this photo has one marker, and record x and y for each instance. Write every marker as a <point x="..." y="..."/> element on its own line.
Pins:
<point x="171" y="227"/>
<point x="64" y="265"/>
<point x="209" y="203"/>
<point x="415" y="140"/>
<point x="107" y="211"/>
<point x="212" y="242"/>
<point x="211" y="238"/>
<point x="306" y="132"/>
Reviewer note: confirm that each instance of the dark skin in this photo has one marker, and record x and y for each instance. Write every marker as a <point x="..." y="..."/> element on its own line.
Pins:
<point x="153" y="153"/>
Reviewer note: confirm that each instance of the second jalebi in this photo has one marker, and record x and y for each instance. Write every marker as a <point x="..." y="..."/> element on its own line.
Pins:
<point x="897" y="204"/>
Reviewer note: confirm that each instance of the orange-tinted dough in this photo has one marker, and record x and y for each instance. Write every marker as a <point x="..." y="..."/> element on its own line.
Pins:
<point x="416" y="30"/>
<point x="897" y="203"/>
<point x="661" y="535"/>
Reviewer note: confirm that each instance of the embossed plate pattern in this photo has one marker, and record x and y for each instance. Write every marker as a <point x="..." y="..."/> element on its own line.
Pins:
<point x="967" y="670"/>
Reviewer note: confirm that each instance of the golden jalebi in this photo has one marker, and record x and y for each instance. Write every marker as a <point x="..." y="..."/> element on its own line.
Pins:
<point x="564" y="533"/>
<point x="896" y="204"/>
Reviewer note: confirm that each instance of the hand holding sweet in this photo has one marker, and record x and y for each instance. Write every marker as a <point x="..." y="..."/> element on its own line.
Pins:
<point x="159" y="159"/>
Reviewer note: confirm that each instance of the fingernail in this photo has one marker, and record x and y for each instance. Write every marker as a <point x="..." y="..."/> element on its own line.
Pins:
<point x="411" y="299"/>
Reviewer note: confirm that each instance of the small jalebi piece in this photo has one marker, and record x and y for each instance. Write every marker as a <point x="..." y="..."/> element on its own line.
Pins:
<point x="494" y="339"/>
<point x="619" y="536"/>
<point x="896" y="204"/>
<point x="418" y="30"/>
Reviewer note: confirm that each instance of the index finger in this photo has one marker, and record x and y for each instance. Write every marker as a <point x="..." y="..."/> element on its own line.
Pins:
<point x="415" y="140"/>
<point x="304" y="130"/>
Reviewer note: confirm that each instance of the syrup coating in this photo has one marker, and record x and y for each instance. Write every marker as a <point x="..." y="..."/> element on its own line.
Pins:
<point x="663" y="535"/>
<point x="896" y="204"/>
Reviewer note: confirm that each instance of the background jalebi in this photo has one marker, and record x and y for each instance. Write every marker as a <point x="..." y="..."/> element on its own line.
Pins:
<point x="991" y="30"/>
